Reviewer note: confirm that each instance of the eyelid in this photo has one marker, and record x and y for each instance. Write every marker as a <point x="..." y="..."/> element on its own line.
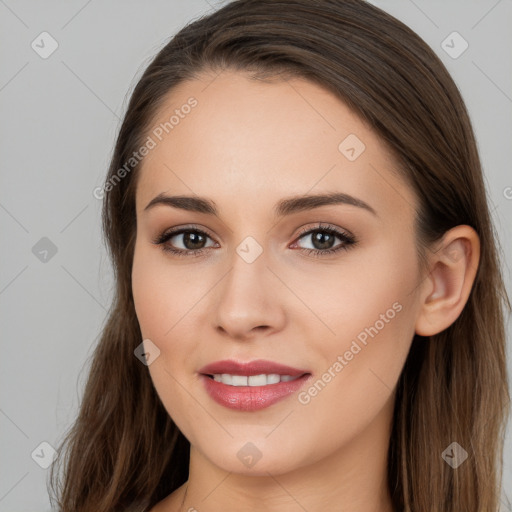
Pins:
<point x="327" y="227"/>
<point x="166" y="234"/>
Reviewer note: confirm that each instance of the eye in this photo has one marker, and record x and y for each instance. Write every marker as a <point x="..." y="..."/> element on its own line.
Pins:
<point x="323" y="239"/>
<point x="192" y="239"/>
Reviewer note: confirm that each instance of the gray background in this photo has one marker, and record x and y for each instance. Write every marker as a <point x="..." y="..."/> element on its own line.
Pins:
<point x="59" y="120"/>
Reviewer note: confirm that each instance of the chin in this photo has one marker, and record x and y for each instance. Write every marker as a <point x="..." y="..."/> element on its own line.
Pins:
<point x="258" y="458"/>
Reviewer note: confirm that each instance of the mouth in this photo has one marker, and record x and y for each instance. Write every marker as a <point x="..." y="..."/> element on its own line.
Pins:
<point x="251" y="386"/>
<point x="252" y="380"/>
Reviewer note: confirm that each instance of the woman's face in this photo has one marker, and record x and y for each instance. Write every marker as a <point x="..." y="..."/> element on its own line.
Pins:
<point x="264" y="280"/>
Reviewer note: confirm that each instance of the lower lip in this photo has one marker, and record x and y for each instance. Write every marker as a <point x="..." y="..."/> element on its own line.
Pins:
<point x="251" y="398"/>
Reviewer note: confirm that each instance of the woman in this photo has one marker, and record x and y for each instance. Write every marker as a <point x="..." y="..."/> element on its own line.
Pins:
<point x="309" y="312"/>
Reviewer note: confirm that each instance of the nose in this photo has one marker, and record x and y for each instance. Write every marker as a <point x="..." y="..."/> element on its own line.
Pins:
<point x="249" y="302"/>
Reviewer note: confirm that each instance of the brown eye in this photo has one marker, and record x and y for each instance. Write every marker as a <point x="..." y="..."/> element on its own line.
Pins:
<point x="184" y="241"/>
<point x="192" y="240"/>
<point x="323" y="240"/>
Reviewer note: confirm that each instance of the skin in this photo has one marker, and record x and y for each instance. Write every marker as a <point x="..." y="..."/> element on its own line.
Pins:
<point x="246" y="146"/>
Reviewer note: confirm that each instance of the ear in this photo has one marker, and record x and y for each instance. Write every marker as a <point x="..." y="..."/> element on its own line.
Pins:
<point x="446" y="289"/>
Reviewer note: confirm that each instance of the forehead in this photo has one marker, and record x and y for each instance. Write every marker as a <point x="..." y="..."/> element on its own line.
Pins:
<point x="255" y="142"/>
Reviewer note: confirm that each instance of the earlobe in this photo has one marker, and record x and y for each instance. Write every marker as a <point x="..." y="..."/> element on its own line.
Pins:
<point x="453" y="267"/>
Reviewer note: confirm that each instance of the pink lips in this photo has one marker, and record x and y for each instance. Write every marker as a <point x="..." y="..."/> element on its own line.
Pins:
<point x="251" y="398"/>
<point x="253" y="368"/>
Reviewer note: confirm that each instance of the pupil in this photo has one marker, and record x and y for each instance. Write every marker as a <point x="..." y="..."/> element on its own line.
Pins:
<point x="323" y="240"/>
<point x="191" y="238"/>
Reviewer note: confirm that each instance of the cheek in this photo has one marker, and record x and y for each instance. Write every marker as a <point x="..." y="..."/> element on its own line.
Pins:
<point x="356" y="385"/>
<point x="165" y="303"/>
<point x="364" y="294"/>
<point x="373" y="322"/>
<point x="161" y="302"/>
<point x="160" y="293"/>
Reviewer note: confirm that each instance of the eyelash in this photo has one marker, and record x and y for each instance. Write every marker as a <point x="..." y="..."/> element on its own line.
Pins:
<point x="348" y="241"/>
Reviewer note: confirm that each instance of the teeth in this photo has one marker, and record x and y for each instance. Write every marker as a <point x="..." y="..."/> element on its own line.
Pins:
<point x="273" y="378"/>
<point x="253" y="380"/>
<point x="238" y="380"/>
<point x="257" y="380"/>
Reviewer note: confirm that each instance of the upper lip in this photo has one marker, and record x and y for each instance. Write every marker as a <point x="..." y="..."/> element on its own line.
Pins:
<point x="257" y="367"/>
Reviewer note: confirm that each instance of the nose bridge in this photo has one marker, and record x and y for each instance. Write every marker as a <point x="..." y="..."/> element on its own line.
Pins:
<point x="247" y="297"/>
<point x="248" y="263"/>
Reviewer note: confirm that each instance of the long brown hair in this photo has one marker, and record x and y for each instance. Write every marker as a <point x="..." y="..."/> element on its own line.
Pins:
<point x="124" y="452"/>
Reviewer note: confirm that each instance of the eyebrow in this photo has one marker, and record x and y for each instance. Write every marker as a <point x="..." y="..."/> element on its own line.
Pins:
<point x="283" y="208"/>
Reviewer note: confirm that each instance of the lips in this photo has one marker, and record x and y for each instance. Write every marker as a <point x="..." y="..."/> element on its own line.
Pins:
<point x="257" y="367"/>
<point x="253" y="397"/>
